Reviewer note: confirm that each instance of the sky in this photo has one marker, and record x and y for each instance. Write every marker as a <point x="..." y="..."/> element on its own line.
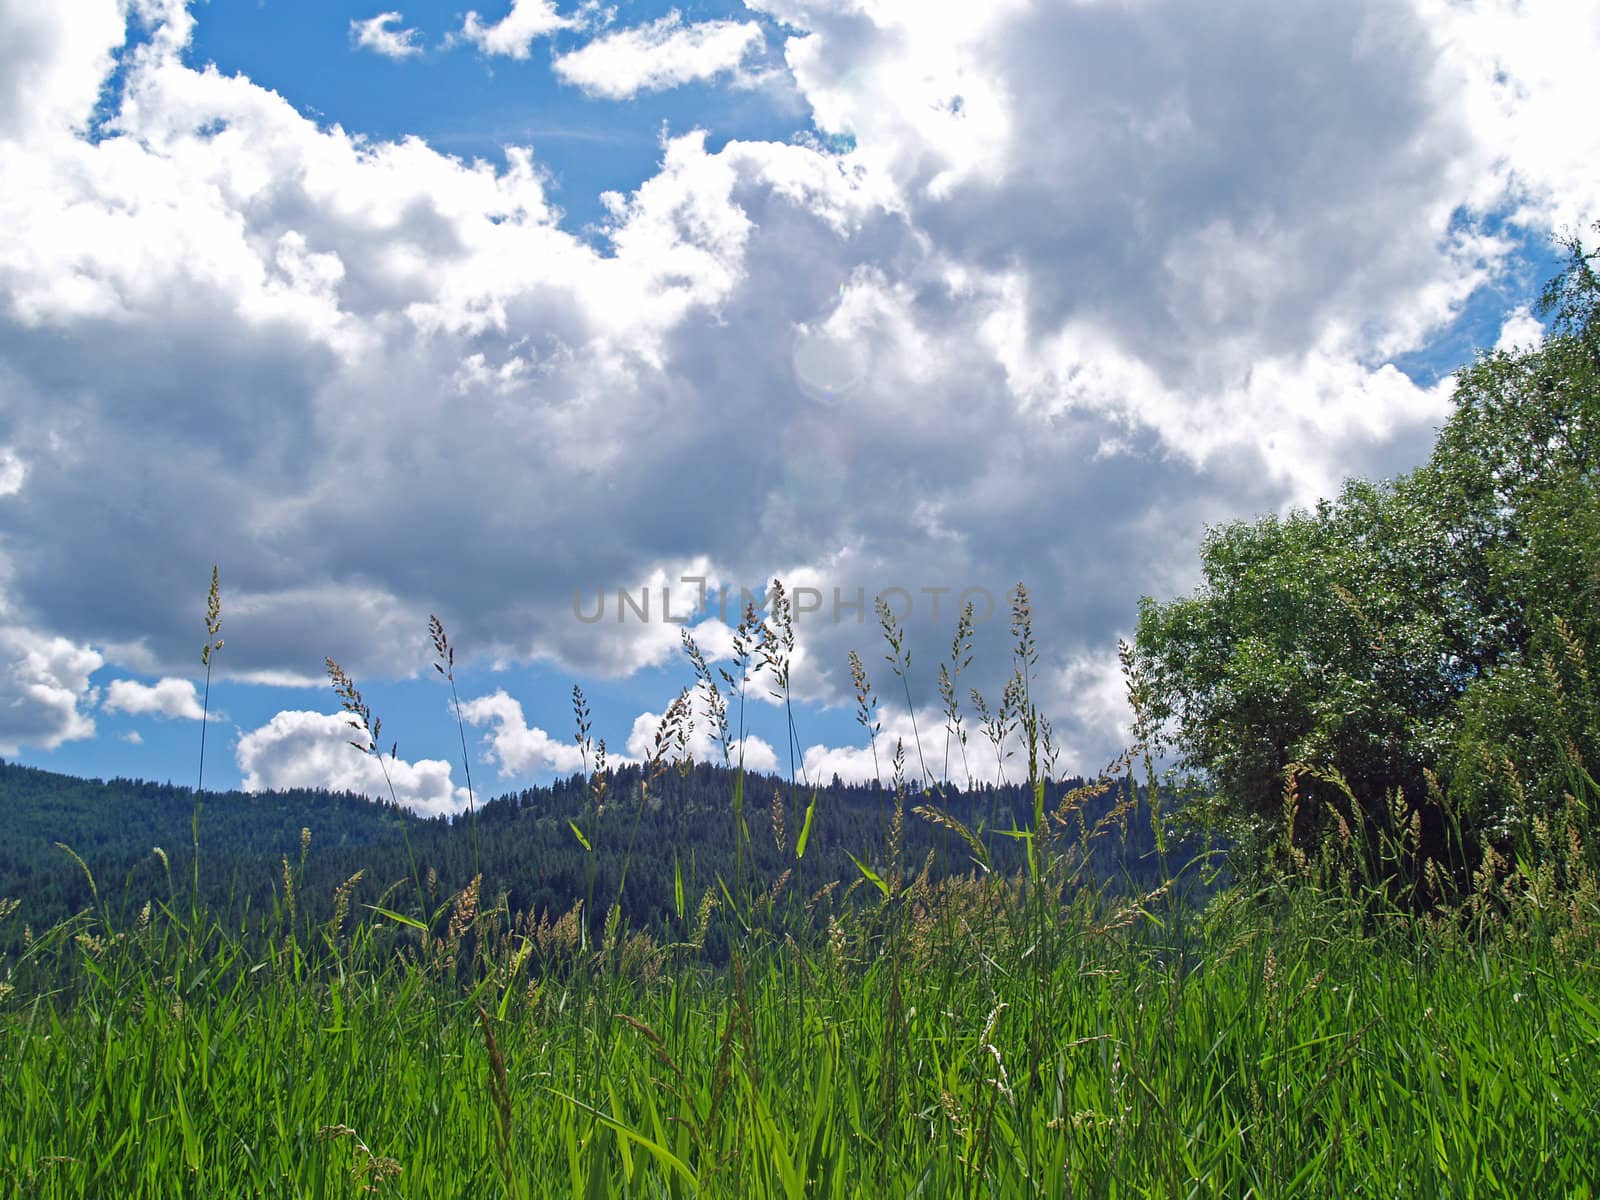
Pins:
<point x="536" y="315"/>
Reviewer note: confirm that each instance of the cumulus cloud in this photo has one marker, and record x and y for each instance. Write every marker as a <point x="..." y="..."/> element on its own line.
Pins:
<point x="666" y="53"/>
<point x="13" y="472"/>
<point x="1087" y="696"/>
<point x="1052" y="287"/>
<point x="165" y="698"/>
<point x="1521" y="330"/>
<point x="387" y="35"/>
<point x="518" y="749"/>
<point x="852" y="764"/>
<point x="1209" y="214"/>
<point x="52" y="64"/>
<point x="299" y="749"/>
<point x="44" y="690"/>
<point x="1083" y="695"/>
<point x="930" y="755"/>
<point x="515" y="33"/>
<point x="1521" y="69"/>
<point x="758" y="754"/>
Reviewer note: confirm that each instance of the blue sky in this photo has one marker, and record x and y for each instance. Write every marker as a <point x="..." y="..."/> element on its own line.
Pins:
<point x="395" y="309"/>
<point x="473" y="105"/>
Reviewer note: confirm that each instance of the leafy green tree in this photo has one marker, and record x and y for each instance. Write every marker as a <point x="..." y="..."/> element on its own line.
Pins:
<point x="1431" y="639"/>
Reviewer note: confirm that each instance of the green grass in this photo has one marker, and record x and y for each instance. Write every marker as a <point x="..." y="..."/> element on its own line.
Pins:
<point x="948" y="1043"/>
<point x="978" y="1036"/>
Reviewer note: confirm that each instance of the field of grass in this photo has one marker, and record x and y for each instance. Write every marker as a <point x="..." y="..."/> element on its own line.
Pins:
<point x="900" y="1033"/>
<point x="977" y="1037"/>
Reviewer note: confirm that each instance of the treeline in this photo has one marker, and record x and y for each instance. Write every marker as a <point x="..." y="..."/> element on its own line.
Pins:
<point x="540" y="850"/>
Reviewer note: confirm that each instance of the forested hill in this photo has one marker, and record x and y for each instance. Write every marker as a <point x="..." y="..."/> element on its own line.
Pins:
<point x="116" y="825"/>
<point x="120" y="816"/>
<point x="527" y="845"/>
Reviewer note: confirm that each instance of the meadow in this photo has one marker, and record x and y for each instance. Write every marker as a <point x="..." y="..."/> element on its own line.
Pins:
<point x="898" y="1032"/>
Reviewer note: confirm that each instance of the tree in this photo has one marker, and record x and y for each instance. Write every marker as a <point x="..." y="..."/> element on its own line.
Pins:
<point x="1431" y="639"/>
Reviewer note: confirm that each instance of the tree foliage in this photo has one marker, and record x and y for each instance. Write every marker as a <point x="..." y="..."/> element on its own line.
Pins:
<point x="1431" y="639"/>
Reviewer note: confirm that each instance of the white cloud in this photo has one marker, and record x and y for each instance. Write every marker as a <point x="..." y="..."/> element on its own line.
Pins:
<point x="386" y="34"/>
<point x="53" y="62"/>
<point x="166" y="698"/>
<point x="1521" y="330"/>
<point x="623" y="627"/>
<point x="713" y="637"/>
<point x="1523" y="70"/>
<point x="277" y="679"/>
<point x="518" y="749"/>
<point x="924" y="743"/>
<point x="1083" y="700"/>
<point x="515" y="33"/>
<point x="663" y="54"/>
<point x="44" y="688"/>
<point x="852" y="764"/>
<point x="1090" y="695"/>
<point x="1304" y="414"/>
<point x="389" y="241"/>
<point x="13" y="472"/>
<point x="133" y="737"/>
<point x="312" y="750"/>
<point x="1080" y="286"/>
<point x="758" y="755"/>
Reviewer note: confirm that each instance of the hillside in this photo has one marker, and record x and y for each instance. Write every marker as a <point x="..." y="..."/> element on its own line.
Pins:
<point x="525" y="844"/>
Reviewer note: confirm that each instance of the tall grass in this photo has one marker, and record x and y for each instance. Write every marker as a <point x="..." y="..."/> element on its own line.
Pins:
<point x="893" y="1034"/>
<point x="213" y="643"/>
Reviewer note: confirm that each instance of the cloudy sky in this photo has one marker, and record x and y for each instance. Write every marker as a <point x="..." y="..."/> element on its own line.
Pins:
<point x="404" y="309"/>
